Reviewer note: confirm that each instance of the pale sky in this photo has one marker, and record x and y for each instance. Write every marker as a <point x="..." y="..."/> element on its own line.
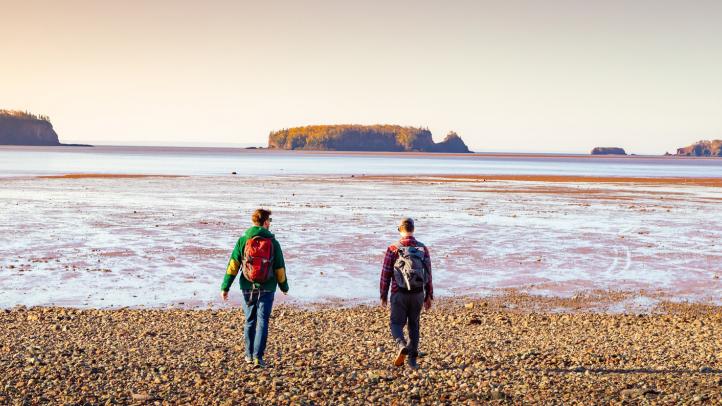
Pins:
<point x="536" y="76"/>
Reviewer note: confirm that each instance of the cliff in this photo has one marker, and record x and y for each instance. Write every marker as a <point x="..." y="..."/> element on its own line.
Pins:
<point x="392" y="138"/>
<point x="702" y="148"/>
<point x="19" y="128"/>
<point x="608" y="151"/>
<point x="451" y="143"/>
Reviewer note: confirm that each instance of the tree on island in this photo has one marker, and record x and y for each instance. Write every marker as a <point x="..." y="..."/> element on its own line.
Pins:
<point x="26" y="115"/>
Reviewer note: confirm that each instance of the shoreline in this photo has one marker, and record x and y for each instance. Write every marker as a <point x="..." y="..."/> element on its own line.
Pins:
<point x="477" y="351"/>
<point x="591" y="301"/>
<point x="99" y="148"/>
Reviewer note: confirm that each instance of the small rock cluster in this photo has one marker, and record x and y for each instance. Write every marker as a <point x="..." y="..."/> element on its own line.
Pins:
<point x="477" y="352"/>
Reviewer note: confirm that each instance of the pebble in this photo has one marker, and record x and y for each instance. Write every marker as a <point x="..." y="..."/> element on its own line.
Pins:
<point x="140" y="397"/>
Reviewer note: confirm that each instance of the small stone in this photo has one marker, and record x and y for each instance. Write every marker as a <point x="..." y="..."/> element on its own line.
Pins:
<point x="140" y="397"/>
<point x="497" y="395"/>
<point x="632" y="393"/>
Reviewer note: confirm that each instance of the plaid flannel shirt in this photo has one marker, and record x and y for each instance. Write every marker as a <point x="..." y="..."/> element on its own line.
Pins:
<point x="387" y="270"/>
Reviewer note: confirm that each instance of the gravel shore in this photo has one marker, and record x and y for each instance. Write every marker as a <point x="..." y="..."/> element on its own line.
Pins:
<point x="512" y="349"/>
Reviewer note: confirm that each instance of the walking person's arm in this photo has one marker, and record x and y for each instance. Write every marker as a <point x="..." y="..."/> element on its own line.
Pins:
<point x="234" y="264"/>
<point x="387" y="271"/>
<point x="429" y="288"/>
<point x="279" y="268"/>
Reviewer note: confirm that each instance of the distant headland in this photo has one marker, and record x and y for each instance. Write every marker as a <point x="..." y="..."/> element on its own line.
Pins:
<point x="352" y="137"/>
<point x="23" y="128"/>
<point x="702" y="148"/>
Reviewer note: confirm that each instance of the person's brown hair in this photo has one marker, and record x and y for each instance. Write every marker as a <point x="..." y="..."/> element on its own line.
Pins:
<point x="406" y="225"/>
<point x="260" y="216"/>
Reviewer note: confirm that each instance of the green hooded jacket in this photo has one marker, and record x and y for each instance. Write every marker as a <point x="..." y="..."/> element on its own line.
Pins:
<point x="277" y="277"/>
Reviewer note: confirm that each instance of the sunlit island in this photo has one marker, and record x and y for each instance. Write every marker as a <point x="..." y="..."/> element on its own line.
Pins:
<point x="352" y="137"/>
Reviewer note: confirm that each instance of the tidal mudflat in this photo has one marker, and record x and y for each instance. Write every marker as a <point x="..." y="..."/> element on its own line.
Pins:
<point x="109" y="241"/>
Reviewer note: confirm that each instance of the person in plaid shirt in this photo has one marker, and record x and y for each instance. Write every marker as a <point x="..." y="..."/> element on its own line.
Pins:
<point x="406" y="304"/>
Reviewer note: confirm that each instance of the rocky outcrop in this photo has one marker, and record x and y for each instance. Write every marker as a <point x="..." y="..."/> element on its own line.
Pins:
<point x="391" y="138"/>
<point x="19" y="128"/>
<point x="451" y="143"/>
<point x="702" y="148"/>
<point x="608" y="151"/>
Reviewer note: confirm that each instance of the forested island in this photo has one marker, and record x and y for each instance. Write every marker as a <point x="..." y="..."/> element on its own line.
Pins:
<point x="609" y="151"/>
<point x="351" y="137"/>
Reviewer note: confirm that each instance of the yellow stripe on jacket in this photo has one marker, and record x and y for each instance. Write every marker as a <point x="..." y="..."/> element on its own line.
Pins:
<point x="233" y="267"/>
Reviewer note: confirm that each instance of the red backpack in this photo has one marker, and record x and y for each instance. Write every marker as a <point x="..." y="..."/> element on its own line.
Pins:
<point x="258" y="259"/>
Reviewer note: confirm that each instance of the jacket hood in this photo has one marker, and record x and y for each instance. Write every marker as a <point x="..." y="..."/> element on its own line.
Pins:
<point x="258" y="231"/>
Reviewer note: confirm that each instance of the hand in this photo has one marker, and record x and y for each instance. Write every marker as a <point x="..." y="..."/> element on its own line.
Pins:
<point x="284" y="293"/>
<point x="427" y="304"/>
<point x="224" y="295"/>
<point x="384" y="303"/>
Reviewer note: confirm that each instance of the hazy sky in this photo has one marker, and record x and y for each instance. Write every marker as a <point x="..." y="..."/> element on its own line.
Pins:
<point x="506" y="75"/>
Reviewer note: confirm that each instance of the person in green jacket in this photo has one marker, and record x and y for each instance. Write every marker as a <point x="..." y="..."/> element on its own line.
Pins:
<point x="257" y="297"/>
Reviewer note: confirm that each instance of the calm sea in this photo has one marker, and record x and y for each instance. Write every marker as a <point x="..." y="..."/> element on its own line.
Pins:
<point x="30" y="161"/>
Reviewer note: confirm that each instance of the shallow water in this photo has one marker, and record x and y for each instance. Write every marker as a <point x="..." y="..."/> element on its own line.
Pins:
<point x="24" y="161"/>
<point x="166" y="241"/>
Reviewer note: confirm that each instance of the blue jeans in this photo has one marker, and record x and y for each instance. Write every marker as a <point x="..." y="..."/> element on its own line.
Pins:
<point x="257" y="306"/>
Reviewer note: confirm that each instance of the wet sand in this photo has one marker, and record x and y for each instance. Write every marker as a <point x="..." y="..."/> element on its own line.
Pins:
<point x="511" y="349"/>
<point x="104" y="176"/>
<point x="164" y="241"/>
<point x="706" y="182"/>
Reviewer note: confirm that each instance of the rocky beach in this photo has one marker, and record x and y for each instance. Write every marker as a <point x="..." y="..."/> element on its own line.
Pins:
<point x="507" y="349"/>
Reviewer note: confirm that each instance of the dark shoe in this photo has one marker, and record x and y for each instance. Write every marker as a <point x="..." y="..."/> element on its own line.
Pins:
<point x="422" y="354"/>
<point x="258" y="363"/>
<point x="412" y="363"/>
<point x="401" y="355"/>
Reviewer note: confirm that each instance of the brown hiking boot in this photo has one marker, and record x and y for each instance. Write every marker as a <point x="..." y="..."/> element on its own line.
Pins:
<point x="401" y="355"/>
